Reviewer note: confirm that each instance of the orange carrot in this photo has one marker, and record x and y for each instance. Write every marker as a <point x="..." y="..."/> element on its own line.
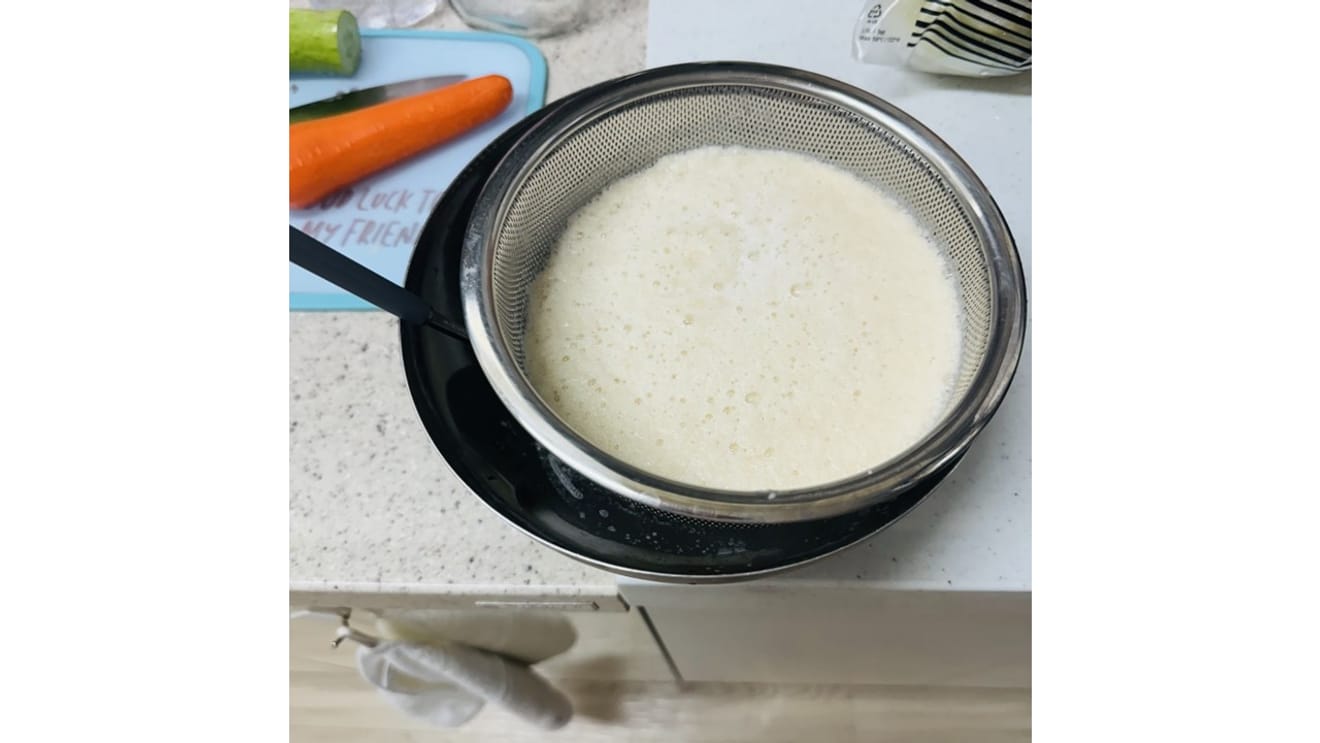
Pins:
<point x="327" y="154"/>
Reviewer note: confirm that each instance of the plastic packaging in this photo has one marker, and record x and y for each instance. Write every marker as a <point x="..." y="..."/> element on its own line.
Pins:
<point x="971" y="38"/>
<point x="534" y="18"/>
<point x="384" y="13"/>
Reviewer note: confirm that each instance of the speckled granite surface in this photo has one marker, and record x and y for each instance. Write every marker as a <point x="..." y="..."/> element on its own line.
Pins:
<point x="374" y="510"/>
<point x="376" y="517"/>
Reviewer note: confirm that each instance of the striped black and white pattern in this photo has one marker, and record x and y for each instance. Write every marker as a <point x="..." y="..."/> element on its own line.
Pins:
<point x="989" y="33"/>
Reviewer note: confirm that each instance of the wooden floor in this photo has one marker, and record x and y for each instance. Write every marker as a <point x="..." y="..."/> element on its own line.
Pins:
<point x="640" y="711"/>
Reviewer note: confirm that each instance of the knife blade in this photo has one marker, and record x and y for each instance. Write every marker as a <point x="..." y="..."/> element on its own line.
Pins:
<point x="353" y="99"/>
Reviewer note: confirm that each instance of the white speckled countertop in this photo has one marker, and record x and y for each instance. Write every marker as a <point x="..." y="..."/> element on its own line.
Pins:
<point x="378" y="519"/>
<point x="974" y="532"/>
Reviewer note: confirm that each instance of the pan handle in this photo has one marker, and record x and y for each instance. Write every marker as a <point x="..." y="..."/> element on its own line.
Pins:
<point x="360" y="281"/>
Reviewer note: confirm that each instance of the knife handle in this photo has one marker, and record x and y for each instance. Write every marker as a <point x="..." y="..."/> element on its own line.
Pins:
<point x="360" y="281"/>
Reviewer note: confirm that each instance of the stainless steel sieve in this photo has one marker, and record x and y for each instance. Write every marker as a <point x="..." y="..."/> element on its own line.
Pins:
<point x="572" y="154"/>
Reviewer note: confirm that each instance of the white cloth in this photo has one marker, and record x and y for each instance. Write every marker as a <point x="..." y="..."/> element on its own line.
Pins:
<point x="446" y="665"/>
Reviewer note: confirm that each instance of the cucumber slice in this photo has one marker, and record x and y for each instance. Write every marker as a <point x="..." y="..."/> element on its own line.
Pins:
<point x="324" y="42"/>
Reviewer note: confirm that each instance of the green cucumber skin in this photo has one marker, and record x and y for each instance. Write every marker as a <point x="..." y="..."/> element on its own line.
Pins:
<point x="324" y="42"/>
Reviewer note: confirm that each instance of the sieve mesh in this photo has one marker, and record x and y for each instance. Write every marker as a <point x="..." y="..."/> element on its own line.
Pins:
<point x="621" y="127"/>
<point x="633" y="137"/>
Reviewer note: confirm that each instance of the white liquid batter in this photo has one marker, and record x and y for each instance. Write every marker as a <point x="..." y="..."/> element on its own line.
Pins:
<point x="745" y="319"/>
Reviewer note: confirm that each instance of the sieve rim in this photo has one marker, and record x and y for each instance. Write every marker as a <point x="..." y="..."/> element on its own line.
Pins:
<point x="948" y="440"/>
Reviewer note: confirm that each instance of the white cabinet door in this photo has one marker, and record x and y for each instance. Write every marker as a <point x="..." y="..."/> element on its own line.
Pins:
<point x="919" y="638"/>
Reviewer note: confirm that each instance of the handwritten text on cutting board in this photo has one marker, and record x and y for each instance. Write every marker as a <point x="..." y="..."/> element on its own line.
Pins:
<point x="367" y="216"/>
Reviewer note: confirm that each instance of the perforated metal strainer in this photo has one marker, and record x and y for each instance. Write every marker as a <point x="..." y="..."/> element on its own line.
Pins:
<point x="576" y="151"/>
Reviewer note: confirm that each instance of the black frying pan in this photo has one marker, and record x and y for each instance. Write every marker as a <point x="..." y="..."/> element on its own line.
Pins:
<point x="522" y="482"/>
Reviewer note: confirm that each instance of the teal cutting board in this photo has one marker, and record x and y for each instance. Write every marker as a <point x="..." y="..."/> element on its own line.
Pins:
<point x="377" y="221"/>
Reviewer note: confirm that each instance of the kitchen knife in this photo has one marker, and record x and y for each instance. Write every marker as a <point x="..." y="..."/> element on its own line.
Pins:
<point x="352" y="100"/>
